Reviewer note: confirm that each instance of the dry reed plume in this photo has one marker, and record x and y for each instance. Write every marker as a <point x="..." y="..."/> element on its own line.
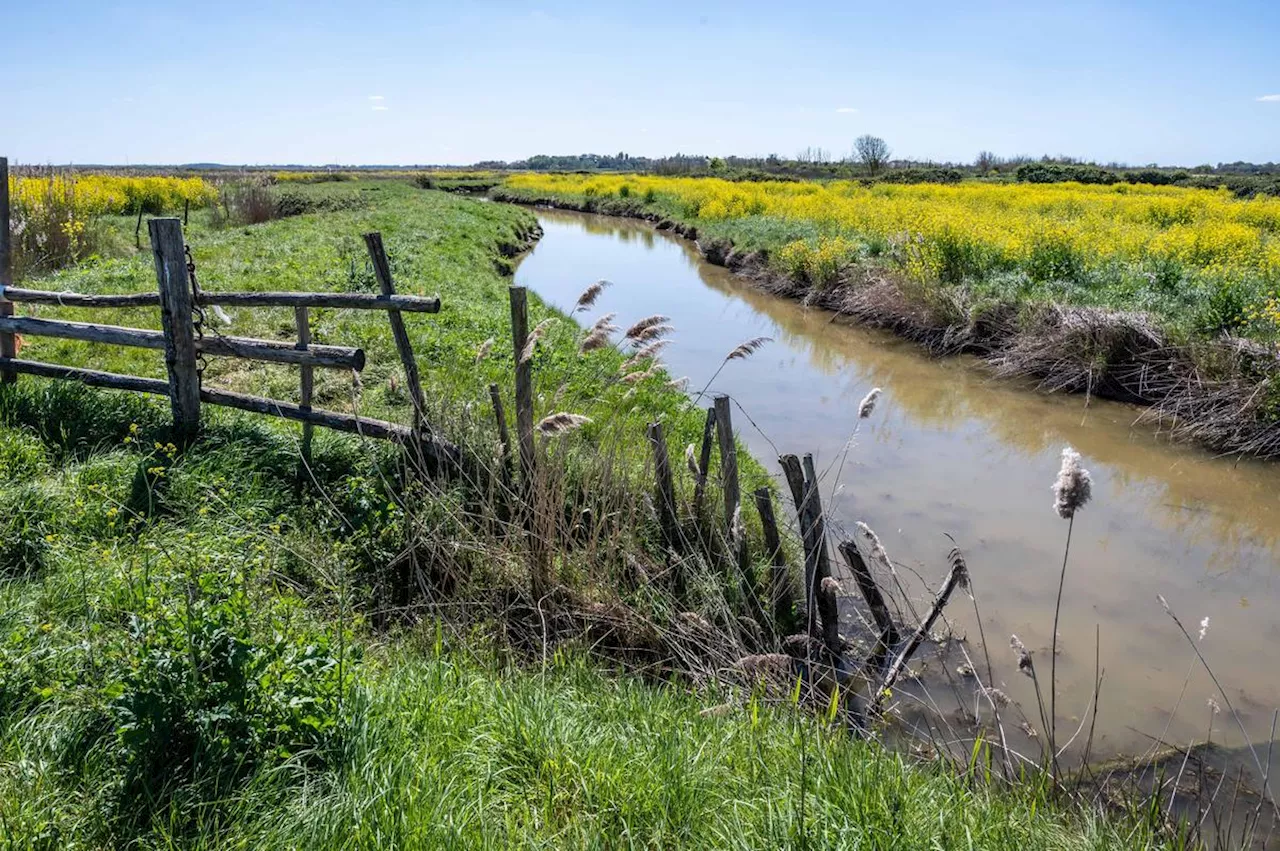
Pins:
<point x="868" y="403"/>
<point x="648" y="322"/>
<point x="597" y="336"/>
<point x="651" y="333"/>
<point x="646" y="352"/>
<point x="590" y="294"/>
<point x="561" y="423"/>
<point x="1073" y="487"/>
<point x="748" y="348"/>
<point x="531" y="343"/>
<point x="485" y="348"/>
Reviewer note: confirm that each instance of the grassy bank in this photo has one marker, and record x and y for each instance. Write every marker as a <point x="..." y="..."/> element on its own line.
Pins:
<point x="1159" y="295"/>
<point x="207" y="649"/>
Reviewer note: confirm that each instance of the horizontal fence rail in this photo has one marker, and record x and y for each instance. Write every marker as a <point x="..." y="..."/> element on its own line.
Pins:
<point x="270" y="351"/>
<point x="340" y="301"/>
<point x="256" y="404"/>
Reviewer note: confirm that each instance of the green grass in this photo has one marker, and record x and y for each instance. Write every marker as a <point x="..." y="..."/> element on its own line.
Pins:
<point x="197" y="653"/>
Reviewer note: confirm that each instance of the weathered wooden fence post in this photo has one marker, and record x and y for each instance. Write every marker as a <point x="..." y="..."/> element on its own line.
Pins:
<point x="382" y="269"/>
<point x="524" y="435"/>
<point x="307" y="380"/>
<point x="665" y="489"/>
<point x="817" y="565"/>
<point x="733" y="509"/>
<point x="780" y="583"/>
<point x="8" y="348"/>
<point x="728" y="460"/>
<point x="827" y="607"/>
<point x="176" y="305"/>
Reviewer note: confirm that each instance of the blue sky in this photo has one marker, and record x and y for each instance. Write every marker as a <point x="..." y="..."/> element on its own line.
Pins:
<point x="1169" y="81"/>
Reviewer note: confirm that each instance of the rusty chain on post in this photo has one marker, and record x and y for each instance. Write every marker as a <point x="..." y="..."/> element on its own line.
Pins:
<point x="197" y="313"/>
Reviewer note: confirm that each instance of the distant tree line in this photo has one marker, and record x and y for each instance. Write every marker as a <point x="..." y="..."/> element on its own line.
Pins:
<point x="870" y="159"/>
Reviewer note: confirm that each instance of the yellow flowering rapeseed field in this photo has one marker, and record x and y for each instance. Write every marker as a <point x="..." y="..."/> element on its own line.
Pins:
<point x="53" y="212"/>
<point x="971" y="231"/>
<point x="108" y="194"/>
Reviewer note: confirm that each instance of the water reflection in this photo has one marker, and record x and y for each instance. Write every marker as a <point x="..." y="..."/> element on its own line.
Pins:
<point x="952" y="450"/>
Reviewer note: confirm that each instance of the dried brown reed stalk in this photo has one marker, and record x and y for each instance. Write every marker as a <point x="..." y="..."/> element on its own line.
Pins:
<point x="598" y="335"/>
<point x="652" y="350"/>
<point x="634" y="377"/>
<point x="561" y="423"/>
<point x="590" y="294"/>
<point x="748" y="348"/>
<point x="653" y="332"/>
<point x="1071" y="491"/>
<point x="485" y="348"/>
<point x="1025" y="664"/>
<point x="868" y="403"/>
<point x="648" y="322"/>
<point x="743" y="351"/>
<point x="530" y="344"/>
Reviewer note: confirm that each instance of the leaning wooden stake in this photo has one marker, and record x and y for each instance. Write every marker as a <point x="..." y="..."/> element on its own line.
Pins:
<point x="704" y="461"/>
<point x="665" y="493"/>
<point x="888" y="632"/>
<point x="382" y="269"/>
<point x="780" y="582"/>
<point x="958" y="576"/>
<point x="179" y="329"/>
<point x="306" y="381"/>
<point x="8" y="346"/>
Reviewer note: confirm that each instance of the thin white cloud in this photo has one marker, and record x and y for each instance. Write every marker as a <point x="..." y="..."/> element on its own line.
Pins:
<point x="376" y="97"/>
<point x="1269" y="99"/>
<point x="380" y="108"/>
<point x="846" y="110"/>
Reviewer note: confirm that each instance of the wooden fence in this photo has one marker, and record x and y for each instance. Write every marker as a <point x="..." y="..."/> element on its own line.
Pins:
<point x="186" y="340"/>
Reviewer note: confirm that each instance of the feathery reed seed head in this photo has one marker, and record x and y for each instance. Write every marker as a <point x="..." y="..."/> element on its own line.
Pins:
<point x="653" y="332"/>
<point x="483" y="351"/>
<point x="590" y="294"/>
<point x="748" y="348"/>
<point x="562" y="423"/>
<point x="650" y="351"/>
<point x="691" y="460"/>
<point x="598" y="336"/>
<point x="877" y="550"/>
<point x="531" y="343"/>
<point x="868" y="403"/>
<point x="1073" y="487"/>
<point x="648" y="322"/>
<point x="1025" y="665"/>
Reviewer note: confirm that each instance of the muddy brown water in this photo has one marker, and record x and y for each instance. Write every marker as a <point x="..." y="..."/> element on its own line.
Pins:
<point x="950" y="450"/>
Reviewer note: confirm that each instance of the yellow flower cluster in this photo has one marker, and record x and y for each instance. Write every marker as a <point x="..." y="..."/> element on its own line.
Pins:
<point x="108" y="194"/>
<point x="977" y="228"/>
